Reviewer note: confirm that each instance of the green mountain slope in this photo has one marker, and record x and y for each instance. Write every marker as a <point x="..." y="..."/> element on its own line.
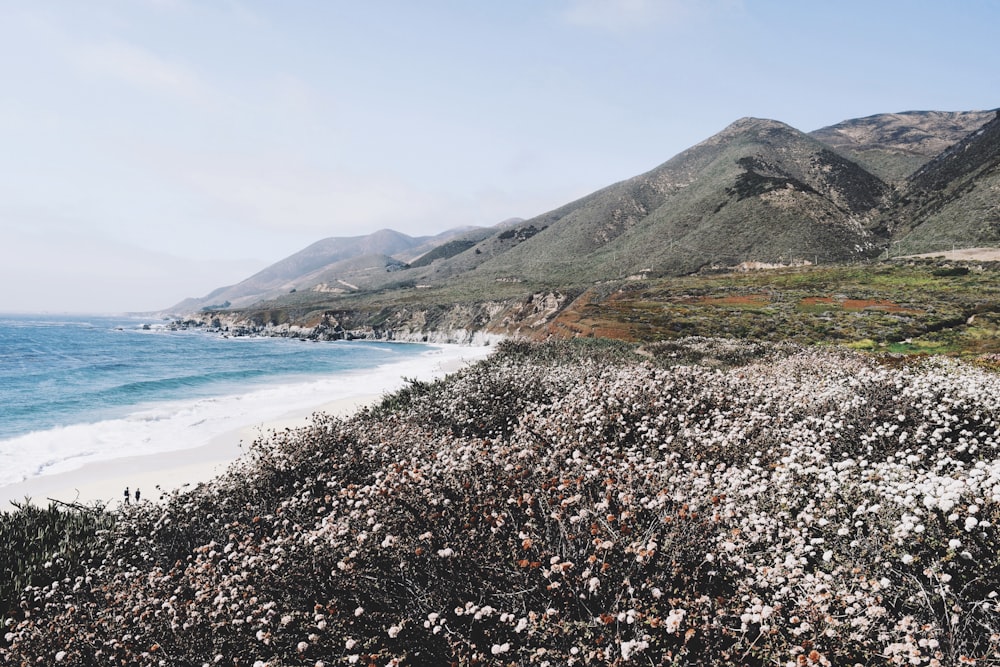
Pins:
<point x="759" y="190"/>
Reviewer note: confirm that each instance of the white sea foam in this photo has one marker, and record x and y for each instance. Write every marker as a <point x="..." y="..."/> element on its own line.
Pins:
<point x="175" y="425"/>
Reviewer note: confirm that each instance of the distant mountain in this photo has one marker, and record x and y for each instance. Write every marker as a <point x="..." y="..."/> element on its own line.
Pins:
<point x="758" y="192"/>
<point x="894" y="145"/>
<point x="357" y="261"/>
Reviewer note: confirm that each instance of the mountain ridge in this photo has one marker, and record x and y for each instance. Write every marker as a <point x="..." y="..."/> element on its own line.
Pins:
<point x="894" y="145"/>
<point x="759" y="192"/>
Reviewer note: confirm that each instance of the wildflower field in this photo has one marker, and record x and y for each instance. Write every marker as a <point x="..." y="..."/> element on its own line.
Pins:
<point x="707" y="502"/>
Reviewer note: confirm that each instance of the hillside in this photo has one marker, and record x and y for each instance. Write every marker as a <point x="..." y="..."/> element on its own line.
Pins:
<point x="758" y="190"/>
<point x="711" y="502"/>
<point x="904" y="305"/>
<point x="759" y="193"/>
<point x="356" y="259"/>
<point x="953" y="200"/>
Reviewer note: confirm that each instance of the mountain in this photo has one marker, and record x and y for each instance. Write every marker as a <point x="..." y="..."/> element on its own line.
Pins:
<point x="953" y="200"/>
<point x="335" y="264"/>
<point x="894" y="145"/>
<point x="759" y="192"/>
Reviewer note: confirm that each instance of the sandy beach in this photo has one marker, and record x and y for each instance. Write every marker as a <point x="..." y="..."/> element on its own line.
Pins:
<point x="105" y="481"/>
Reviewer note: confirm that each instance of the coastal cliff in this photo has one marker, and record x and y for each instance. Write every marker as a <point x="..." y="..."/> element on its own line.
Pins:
<point x="481" y="323"/>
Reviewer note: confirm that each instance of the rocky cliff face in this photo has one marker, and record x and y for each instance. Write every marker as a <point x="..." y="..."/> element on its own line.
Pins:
<point x="481" y="323"/>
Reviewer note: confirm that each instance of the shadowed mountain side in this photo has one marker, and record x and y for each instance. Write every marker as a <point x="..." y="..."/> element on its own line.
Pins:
<point x="894" y="145"/>
<point x="430" y="244"/>
<point x="453" y="247"/>
<point x="953" y="200"/>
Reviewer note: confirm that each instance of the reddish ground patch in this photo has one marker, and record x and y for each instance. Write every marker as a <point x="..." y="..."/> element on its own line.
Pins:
<point x="586" y="317"/>
<point x="752" y="300"/>
<point x="857" y="304"/>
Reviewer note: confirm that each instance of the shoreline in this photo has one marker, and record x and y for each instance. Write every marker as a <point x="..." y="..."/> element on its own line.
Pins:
<point x="158" y="473"/>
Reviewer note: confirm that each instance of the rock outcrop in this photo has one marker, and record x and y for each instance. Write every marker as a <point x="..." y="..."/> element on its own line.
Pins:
<point x="482" y="323"/>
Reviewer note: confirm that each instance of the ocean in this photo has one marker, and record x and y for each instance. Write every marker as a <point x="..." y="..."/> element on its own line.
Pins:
<point x="77" y="389"/>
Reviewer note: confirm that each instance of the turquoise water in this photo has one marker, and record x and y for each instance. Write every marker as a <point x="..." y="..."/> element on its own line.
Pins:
<point x="82" y="387"/>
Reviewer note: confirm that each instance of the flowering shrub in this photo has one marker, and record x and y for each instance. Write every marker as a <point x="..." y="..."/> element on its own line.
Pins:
<point x="560" y="505"/>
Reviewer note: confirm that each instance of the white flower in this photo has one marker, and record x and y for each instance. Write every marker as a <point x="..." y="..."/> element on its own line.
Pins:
<point x="954" y="543"/>
<point x="497" y="649"/>
<point x="60" y="655"/>
<point x="970" y="523"/>
<point x="350" y="643"/>
<point x="302" y="646"/>
<point x="907" y="559"/>
<point x="394" y="630"/>
<point x="674" y="619"/>
<point x="359" y="611"/>
<point x="629" y="648"/>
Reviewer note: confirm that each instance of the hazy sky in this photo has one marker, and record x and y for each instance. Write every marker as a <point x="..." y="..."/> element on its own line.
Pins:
<point x="152" y="150"/>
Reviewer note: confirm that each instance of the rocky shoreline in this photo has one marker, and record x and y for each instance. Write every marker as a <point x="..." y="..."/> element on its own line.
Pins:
<point x="334" y="331"/>
<point x="483" y="323"/>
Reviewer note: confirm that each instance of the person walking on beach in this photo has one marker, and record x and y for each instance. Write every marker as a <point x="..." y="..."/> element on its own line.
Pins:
<point x="137" y="495"/>
<point x="127" y="496"/>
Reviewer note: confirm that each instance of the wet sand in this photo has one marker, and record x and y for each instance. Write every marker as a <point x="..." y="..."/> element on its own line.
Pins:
<point x="105" y="481"/>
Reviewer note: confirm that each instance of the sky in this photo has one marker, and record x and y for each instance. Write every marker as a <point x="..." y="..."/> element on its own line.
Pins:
<point x="153" y="150"/>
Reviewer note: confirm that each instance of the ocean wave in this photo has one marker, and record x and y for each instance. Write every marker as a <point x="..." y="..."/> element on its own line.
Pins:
<point x="163" y="426"/>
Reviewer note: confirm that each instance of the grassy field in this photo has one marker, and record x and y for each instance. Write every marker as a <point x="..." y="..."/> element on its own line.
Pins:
<point x="912" y="306"/>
